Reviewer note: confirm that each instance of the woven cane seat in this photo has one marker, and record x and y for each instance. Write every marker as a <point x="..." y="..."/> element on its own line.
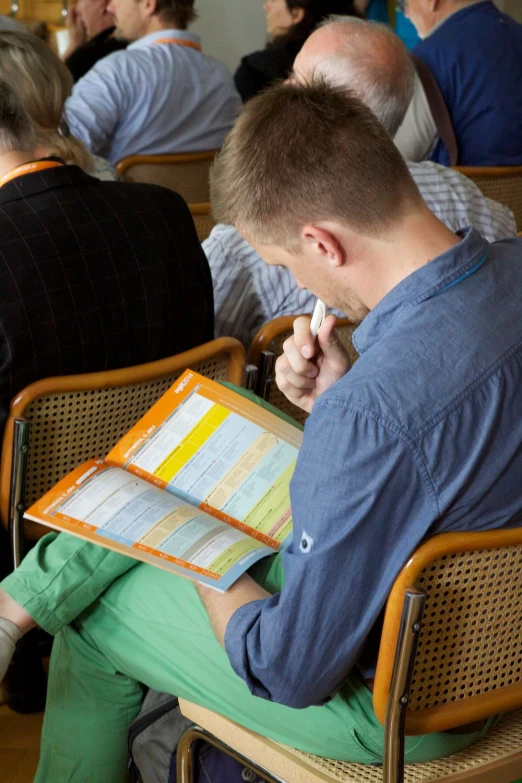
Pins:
<point x="503" y="184"/>
<point x="504" y="740"/>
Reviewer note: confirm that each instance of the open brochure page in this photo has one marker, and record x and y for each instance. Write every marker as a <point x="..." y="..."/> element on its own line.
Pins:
<point x="219" y="451"/>
<point x="108" y="506"/>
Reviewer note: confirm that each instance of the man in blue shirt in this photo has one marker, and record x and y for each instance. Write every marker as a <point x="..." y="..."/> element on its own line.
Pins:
<point x="475" y="53"/>
<point x="161" y="95"/>
<point x="422" y="435"/>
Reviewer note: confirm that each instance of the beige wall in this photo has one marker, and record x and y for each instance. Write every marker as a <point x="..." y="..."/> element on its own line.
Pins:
<point x="230" y="28"/>
<point x="513" y="7"/>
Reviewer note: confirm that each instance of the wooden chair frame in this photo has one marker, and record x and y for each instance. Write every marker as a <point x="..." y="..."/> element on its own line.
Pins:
<point x="125" y="164"/>
<point x="400" y="635"/>
<point x="15" y="445"/>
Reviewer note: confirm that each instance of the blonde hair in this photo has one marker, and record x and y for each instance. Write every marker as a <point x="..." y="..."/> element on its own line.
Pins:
<point x="42" y="83"/>
<point x="303" y="153"/>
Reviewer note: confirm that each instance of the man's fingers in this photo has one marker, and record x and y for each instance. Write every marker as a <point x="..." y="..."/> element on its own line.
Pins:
<point x="329" y="343"/>
<point x="303" y="338"/>
<point x="296" y="360"/>
<point x="286" y="375"/>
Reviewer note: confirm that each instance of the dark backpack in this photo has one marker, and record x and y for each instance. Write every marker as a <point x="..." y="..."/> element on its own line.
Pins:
<point x="153" y="741"/>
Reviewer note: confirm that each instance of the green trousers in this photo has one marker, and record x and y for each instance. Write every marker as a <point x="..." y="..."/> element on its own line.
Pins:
<point x="120" y="625"/>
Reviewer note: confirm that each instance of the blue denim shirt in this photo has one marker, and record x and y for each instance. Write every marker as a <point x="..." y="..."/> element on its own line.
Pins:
<point x="423" y="435"/>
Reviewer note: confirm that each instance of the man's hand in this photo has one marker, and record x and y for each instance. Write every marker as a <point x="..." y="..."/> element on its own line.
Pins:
<point x="77" y="32"/>
<point x="306" y="368"/>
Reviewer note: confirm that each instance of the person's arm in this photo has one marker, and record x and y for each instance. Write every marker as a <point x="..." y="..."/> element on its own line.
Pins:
<point x="418" y="132"/>
<point x="221" y="606"/>
<point x="77" y="33"/>
<point x="99" y="101"/>
<point x="357" y="481"/>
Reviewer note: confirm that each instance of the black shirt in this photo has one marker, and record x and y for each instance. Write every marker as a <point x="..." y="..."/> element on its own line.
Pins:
<point x="259" y="69"/>
<point x="88" y="54"/>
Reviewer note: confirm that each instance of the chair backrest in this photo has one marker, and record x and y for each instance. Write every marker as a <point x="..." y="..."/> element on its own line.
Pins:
<point x="271" y="337"/>
<point x="187" y="174"/>
<point x="501" y="183"/>
<point x="203" y="219"/>
<point x="468" y="664"/>
<point x="77" y="417"/>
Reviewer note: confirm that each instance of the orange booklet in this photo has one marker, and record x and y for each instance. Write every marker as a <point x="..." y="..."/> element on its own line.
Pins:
<point x="199" y="486"/>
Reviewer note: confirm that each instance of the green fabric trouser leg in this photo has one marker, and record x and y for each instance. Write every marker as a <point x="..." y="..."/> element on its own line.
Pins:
<point x="150" y="627"/>
<point x="119" y="623"/>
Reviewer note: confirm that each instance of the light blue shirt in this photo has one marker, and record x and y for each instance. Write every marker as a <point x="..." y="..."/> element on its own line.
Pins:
<point x="153" y="99"/>
<point x="422" y="436"/>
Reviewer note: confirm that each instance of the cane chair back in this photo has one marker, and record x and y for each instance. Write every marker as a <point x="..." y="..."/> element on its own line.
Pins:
<point x="203" y="219"/>
<point x="74" y="418"/>
<point x="501" y="183"/>
<point x="187" y="174"/>
<point x="271" y="337"/>
<point x="467" y="666"/>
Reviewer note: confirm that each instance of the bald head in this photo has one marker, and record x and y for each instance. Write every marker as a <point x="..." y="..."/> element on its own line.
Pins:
<point x="365" y="57"/>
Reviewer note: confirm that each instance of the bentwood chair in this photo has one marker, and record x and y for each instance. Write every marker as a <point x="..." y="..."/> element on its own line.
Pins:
<point x="501" y="183"/>
<point x="450" y="654"/>
<point x="57" y="423"/>
<point x="267" y="345"/>
<point x="186" y="173"/>
<point x="203" y="219"/>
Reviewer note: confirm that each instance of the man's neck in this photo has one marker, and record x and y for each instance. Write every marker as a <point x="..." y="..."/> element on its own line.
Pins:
<point x="449" y="8"/>
<point x="419" y="239"/>
<point x="156" y="25"/>
<point x="10" y="160"/>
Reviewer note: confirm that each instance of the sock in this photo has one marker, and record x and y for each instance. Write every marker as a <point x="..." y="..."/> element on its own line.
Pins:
<point x="9" y="635"/>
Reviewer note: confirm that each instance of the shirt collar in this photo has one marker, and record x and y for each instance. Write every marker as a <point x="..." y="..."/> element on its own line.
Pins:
<point x="456" y="11"/>
<point x="149" y="39"/>
<point x="421" y="285"/>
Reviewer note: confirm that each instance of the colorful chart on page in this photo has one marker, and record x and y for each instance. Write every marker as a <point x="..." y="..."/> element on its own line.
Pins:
<point x="215" y="458"/>
<point x="121" y="508"/>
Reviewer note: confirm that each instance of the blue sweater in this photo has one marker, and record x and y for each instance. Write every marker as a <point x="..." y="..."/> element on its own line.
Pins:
<point x="476" y="58"/>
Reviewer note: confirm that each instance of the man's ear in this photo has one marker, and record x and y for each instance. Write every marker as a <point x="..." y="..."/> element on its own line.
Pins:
<point x="298" y="14"/>
<point x="324" y="243"/>
<point x="149" y="7"/>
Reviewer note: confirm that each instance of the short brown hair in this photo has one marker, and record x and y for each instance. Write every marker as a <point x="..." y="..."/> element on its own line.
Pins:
<point x="302" y="153"/>
<point x="181" y="12"/>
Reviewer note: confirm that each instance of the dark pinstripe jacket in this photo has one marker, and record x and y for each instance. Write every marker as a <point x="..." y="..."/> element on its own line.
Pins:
<point x="95" y="276"/>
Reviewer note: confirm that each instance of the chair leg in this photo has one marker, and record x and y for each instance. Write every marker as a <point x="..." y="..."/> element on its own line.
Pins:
<point x="185" y="756"/>
<point x="393" y="768"/>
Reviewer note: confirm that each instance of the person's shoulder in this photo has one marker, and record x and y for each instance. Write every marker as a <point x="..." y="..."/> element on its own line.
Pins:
<point x="228" y="242"/>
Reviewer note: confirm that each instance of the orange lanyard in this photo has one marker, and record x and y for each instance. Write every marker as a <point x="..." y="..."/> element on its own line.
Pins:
<point x="179" y="42"/>
<point x="28" y="168"/>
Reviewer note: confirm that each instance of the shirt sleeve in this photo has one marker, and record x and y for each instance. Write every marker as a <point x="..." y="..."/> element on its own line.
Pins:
<point x="361" y="501"/>
<point x="238" y="307"/>
<point x="98" y="102"/>
<point x="418" y="132"/>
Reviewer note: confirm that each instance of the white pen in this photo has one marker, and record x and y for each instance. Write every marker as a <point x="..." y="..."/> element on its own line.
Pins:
<point x="317" y="318"/>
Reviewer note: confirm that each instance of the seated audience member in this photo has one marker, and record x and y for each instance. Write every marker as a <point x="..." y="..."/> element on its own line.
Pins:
<point x="91" y="29"/>
<point x="247" y="292"/>
<point x="43" y="84"/>
<point x="474" y="51"/>
<point x="162" y="95"/>
<point x="402" y="458"/>
<point x="289" y="23"/>
<point x="94" y="275"/>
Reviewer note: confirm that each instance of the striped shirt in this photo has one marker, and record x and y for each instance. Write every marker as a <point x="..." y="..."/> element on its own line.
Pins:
<point x="248" y="292"/>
